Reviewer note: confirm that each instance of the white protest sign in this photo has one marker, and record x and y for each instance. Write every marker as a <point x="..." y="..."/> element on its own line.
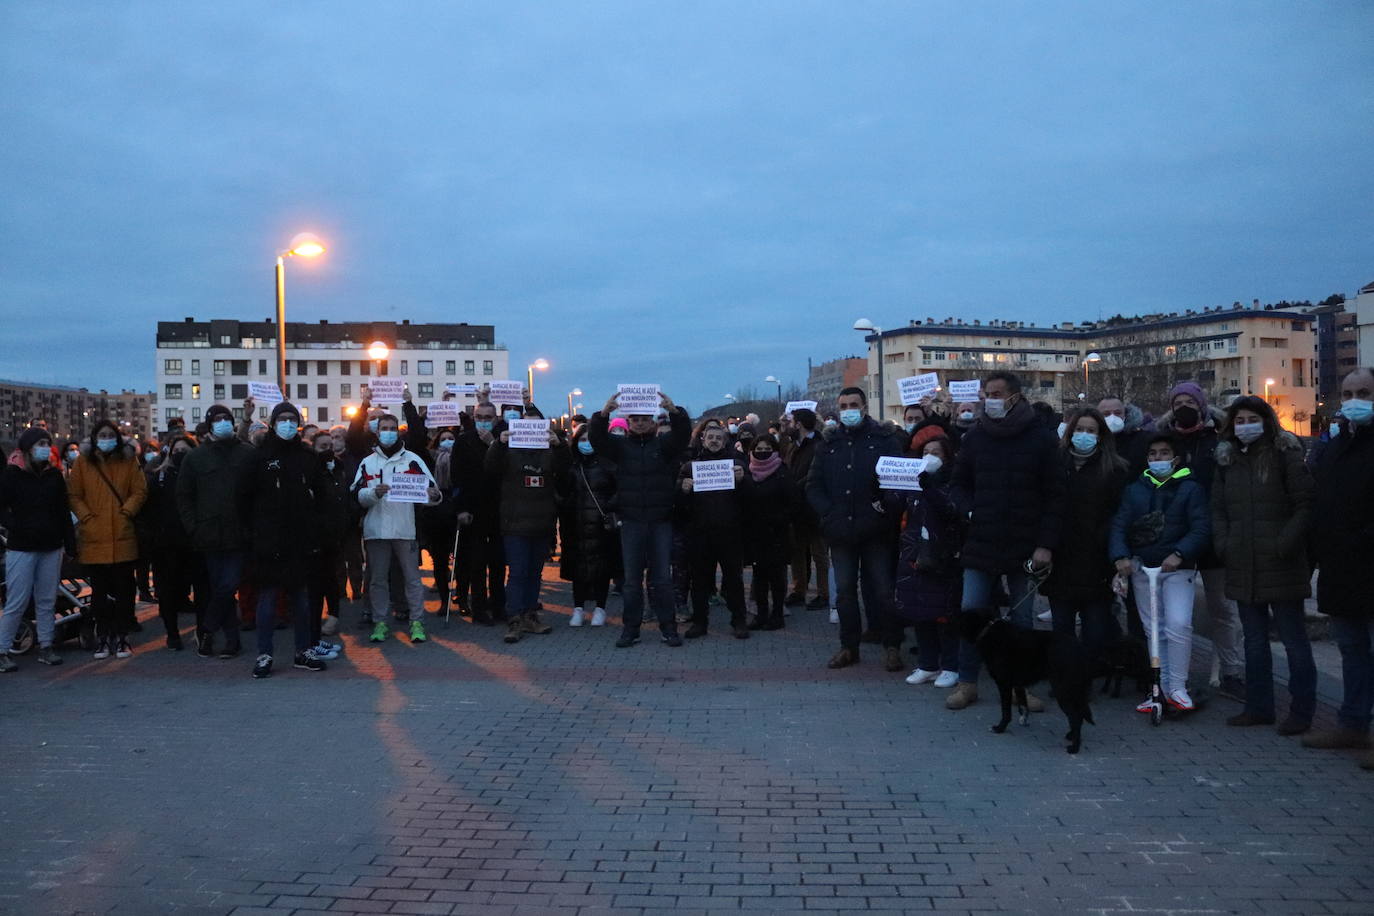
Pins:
<point x="442" y="413"/>
<point x="529" y="434"/>
<point x="633" y="399"/>
<point x="900" y="473"/>
<point x="917" y="387"/>
<point x="507" y="392"/>
<point x="387" y="389"/>
<point x="408" y="488"/>
<point x="963" y="392"/>
<point x="800" y="405"/>
<point x="466" y="390"/>
<point x="713" y="475"/>
<point x="265" y="394"/>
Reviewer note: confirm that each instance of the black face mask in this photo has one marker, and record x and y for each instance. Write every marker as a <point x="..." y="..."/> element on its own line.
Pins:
<point x="1185" y="417"/>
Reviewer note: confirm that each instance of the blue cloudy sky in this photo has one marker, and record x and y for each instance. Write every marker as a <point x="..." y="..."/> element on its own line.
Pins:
<point x="698" y="194"/>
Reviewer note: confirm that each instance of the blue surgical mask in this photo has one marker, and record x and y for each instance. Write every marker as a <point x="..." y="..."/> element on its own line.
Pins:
<point x="105" y="445"/>
<point x="446" y="443"/>
<point x="483" y="426"/>
<point x="1084" y="442"/>
<point x="1249" y="432"/>
<point x="1334" y="430"/>
<point x="584" y="447"/>
<point x="388" y="437"/>
<point x="1161" y="469"/>
<point x="511" y="415"/>
<point x="373" y="424"/>
<point x="222" y="429"/>
<point x="909" y="427"/>
<point x="851" y="417"/>
<point x="286" y="429"/>
<point x="41" y="453"/>
<point x="734" y="428"/>
<point x="996" y="408"/>
<point x="1358" y="411"/>
<point x="73" y="454"/>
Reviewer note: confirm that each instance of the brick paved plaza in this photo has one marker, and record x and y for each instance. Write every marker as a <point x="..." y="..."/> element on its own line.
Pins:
<point x="563" y="775"/>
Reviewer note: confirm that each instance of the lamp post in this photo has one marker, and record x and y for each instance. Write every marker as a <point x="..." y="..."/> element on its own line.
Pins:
<point x="575" y="393"/>
<point x="776" y="381"/>
<point x="542" y="365"/>
<point x="1090" y="358"/>
<point x="304" y="245"/>
<point x="1268" y="383"/>
<point x="868" y="327"/>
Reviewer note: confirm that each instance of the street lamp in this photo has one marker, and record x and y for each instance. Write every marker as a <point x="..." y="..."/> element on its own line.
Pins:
<point x="1090" y="358"/>
<point x="378" y="352"/>
<point x="1267" y="384"/>
<point x="542" y="365"/>
<point x="304" y="245"/>
<point x="729" y="397"/>
<point x="868" y="327"/>
<point x="777" y="381"/>
<point x="575" y="393"/>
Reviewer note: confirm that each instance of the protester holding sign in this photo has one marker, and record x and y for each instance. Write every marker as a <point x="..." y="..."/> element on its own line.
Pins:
<point x="532" y="481"/>
<point x="714" y="509"/>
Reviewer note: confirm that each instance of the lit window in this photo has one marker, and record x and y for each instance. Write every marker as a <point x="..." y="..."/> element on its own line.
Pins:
<point x="195" y="392"/>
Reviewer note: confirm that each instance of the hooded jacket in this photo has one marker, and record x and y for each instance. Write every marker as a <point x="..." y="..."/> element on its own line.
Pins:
<point x="843" y="484"/>
<point x="105" y="512"/>
<point x="1343" y="523"/>
<point x="386" y="520"/>
<point x="1183" y="524"/>
<point x="646" y="467"/>
<point x="285" y="504"/>
<point x="1082" y="570"/>
<point x="1196" y="449"/>
<point x="34" y="509"/>
<point x="1260" y="501"/>
<point x="209" y="488"/>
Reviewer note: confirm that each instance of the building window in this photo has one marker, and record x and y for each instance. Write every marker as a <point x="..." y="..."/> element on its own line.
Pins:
<point x="302" y="367"/>
<point x="219" y="392"/>
<point x="426" y="389"/>
<point x="488" y="368"/>
<point x="469" y="367"/>
<point x="364" y="367"/>
<point x="302" y="391"/>
<point x="321" y="367"/>
<point x="450" y="367"/>
<point x="323" y="415"/>
<point x="345" y="367"/>
<point x="195" y="414"/>
<point x="173" y="413"/>
<point x="405" y="367"/>
<point x="195" y="367"/>
<point x="219" y="367"/>
<point x="262" y="413"/>
<point x="1046" y="383"/>
<point x="238" y="392"/>
<point x="195" y="392"/>
<point x="925" y="357"/>
<point x="322" y="392"/>
<point x="225" y="340"/>
<point x="424" y="367"/>
<point x="1218" y="344"/>
<point x="171" y="367"/>
<point x="346" y="390"/>
<point x="382" y="366"/>
<point x="238" y="367"/>
<point x="173" y="393"/>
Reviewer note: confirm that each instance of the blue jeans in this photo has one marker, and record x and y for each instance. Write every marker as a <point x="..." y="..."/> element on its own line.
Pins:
<point x="297" y="606"/>
<point x="225" y="569"/>
<point x="873" y="560"/>
<point x="1355" y="637"/>
<point x="978" y="590"/>
<point x="524" y="570"/>
<point x="647" y="547"/>
<point x="1099" y="625"/>
<point x="1259" y="663"/>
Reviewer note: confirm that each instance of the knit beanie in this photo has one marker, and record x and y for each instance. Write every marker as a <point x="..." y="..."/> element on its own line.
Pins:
<point x="285" y="407"/>
<point x="31" y="437"/>
<point x="217" y="412"/>
<point x="1192" y="390"/>
<point x="926" y="434"/>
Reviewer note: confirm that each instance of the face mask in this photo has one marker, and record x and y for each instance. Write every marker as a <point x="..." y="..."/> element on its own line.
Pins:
<point x="511" y="415"/>
<point x="909" y="427"/>
<point x="286" y="429"/>
<point x="446" y="443"/>
<point x="388" y="437"/>
<point x="734" y="428"/>
<point x="1185" y="417"/>
<point x="1358" y="411"/>
<point x="618" y="433"/>
<point x="1161" y="469"/>
<point x="483" y="426"/>
<point x="330" y="464"/>
<point x="373" y="424"/>
<point x="105" y="445"/>
<point x="966" y="416"/>
<point x="41" y="453"/>
<point x="72" y="455"/>
<point x="222" y="429"/>
<point x="1334" y="430"/>
<point x="1115" y="423"/>
<point x="851" y="417"/>
<point x="831" y="424"/>
<point x="995" y="408"/>
<point x="1249" y="432"/>
<point x="584" y="446"/>
<point x="762" y="456"/>
<point x="1084" y="442"/>
<point x="1063" y="428"/>
<point x="933" y="464"/>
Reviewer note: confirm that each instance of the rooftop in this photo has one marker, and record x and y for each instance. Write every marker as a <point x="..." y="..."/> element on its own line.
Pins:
<point x="325" y="332"/>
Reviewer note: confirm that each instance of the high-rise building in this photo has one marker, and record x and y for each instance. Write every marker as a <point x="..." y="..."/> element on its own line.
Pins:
<point x="1363" y="307"/>
<point x="71" y="413"/>
<point x="1227" y="351"/>
<point x="824" y="381"/>
<point x="200" y="363"/>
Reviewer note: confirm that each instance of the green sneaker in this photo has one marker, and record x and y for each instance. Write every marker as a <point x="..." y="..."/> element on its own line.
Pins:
<point x="417" y="631"/>
<point x="380" y="631"/>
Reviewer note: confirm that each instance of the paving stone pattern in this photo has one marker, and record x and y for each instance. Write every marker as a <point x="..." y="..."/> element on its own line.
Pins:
<point x="563" y="775"/>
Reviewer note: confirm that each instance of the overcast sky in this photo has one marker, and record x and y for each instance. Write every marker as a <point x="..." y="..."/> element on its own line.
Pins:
<point x="696" y="194"/>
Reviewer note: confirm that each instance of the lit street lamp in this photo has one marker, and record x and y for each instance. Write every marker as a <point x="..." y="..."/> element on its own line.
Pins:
<point x="575" y="393"/>
<point x="868" y="327"/>
<point x="378" y="352"/>
<point x="542" y="365"/>
<point x="1268" y="383"/>
<point x="777" y="381"/>
<point x="1090" y="358"/>
<point x="304" y="245"/>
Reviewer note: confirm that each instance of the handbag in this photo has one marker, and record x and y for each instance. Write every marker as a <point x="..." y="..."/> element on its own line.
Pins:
<point x="610" y="522"/>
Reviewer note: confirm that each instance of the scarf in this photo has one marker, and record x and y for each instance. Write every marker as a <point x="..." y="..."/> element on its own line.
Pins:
<point x="760" y="470"/>
<point x="1017" y="421"/>
<point x="441" y="467"/>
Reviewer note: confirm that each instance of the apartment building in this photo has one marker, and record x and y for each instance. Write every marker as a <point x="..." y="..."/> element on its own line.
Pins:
<point x="824" y="381"/>
<point x="1338" y="345"/>
<point x="71" y="413"/>
<point x="200" y="363"/>
<point x="1363" y="307"/>
<point x="1227" y="351"/>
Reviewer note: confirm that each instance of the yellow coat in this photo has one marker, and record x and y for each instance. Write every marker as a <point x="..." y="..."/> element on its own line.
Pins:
<point x="105" y="525"/>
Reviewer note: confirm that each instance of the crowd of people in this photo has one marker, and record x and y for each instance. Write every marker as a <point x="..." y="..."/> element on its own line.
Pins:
<point x="258" y="526"/>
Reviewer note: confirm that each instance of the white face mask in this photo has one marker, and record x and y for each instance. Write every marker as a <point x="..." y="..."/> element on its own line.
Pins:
<point x="1063" y="428"/>
<point x="995" y="408"/>
<point x="933" y="464"/>
<point x="1249" y="432"/>
<point x="1161" y="469"/>
<point x="1115" y="423"/>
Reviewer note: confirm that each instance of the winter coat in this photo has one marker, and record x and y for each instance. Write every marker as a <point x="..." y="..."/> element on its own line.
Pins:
<point x="384" y="519"/>
<point x="287" y="520"/>
<point x="105" y="512"/>
<point x="646" y="467"/>
<point x="532" y="482"/>
<point x="1008" y="475"/>
<point x="339" y="511"/>
<point x="1260" y="502"/>
<point x="1082" y="569"/>
<point x="474" y="493"/>
<point x="161" y="515"/>
<point x="770" y="506"/>
<point x="714" y="509"/>
<point x="799" y="459"/>
<point x="589" y="550"/>
<point x="843" y="484"/>
<point x="208" y="490"/>
<point x="1133" y="442"/>
<point x="34" y="509"/>
<point x="1185" y="524"/>
<point x="1343" y="523"/>
<point x="930" y="534"/>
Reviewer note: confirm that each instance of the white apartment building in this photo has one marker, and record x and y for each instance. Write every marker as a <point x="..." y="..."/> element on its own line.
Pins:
<point x="200" y="363"/>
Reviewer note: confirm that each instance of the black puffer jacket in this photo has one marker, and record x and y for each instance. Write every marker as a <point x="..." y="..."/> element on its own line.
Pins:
<point x="799" y="459"/>
<point x="209" y="493"/>
<point x="474" y="494"/>
<point x="33" y="509"/>
<point x="771" y="505"/>
<point x="843" y="484"/>
<point x="533" y="481"/>
<point x="1082" y="568"/>
<point x="589" y="550"/>
<point x="1343" y="523"/>
<point x="160" y="513"/>
<point x="646" y="467"/>
<point x="715" y="509"/>
<point x="284" y="511"/>
<point x="1008" y="475"/>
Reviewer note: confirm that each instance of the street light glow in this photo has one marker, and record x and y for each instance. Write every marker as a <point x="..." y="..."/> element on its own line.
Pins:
<point x="541" y="364"/>
<point x="378" y="350"/>
<point x="306" y="245"/>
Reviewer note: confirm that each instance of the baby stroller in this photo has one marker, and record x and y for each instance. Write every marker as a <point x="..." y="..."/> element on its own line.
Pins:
<point x="71" y="611"/>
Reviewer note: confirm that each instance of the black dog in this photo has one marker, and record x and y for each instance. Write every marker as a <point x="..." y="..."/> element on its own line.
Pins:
<point x="1127" y="656"/>
<point x="1018" y="658"/>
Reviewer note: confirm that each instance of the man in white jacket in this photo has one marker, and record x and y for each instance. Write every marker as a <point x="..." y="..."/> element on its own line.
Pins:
<point x="389" y="523"/>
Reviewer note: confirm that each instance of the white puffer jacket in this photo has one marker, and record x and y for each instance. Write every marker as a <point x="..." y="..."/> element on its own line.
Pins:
<point x="386" y="520"/>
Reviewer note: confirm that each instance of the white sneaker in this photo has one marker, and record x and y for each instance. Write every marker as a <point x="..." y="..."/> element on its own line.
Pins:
<point x="834" y="615"/>
<point x="599" y="617"/>
<point x="921" y="676"/>
<point x="947" y="679"/>
<point x="102" y="649"/>
<point x="1179" y="699"/>
<point x="1146" y="705"/>
<point x="1045" y="616"/>
<point x="577" y="615"/>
